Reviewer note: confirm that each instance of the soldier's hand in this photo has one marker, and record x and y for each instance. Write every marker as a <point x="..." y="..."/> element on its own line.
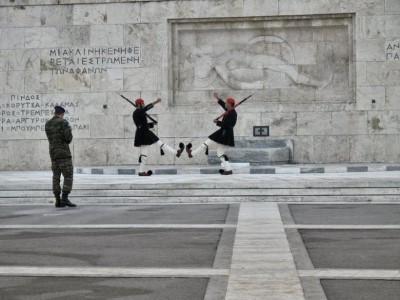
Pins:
<point x="215" y="120"/>
<point x="158" y="100"/>
<point x="216" y="95"/>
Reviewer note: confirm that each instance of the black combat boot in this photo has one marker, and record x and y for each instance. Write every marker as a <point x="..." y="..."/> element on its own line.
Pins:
<point x="65" y="201"/>
<point x="58" y="200"/>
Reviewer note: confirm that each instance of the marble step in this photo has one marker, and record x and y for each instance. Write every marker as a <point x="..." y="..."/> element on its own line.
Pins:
<point x="184" y="193"/>
<point x="207" y="199"/>
<point x="240" y="168"/>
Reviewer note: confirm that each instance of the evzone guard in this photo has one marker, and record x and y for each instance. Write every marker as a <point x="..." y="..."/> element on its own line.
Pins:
<point x="144" y="137"/>
<point x="221" y="138"/>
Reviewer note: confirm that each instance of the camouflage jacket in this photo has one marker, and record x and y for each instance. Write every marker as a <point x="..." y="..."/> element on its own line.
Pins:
<point x="59" y="134"/>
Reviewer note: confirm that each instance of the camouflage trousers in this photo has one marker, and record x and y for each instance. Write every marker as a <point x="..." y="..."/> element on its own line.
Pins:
<point x="62" y="166"/>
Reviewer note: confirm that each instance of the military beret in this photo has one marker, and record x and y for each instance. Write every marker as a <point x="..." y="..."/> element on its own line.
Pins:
<point x="59" y="109"/>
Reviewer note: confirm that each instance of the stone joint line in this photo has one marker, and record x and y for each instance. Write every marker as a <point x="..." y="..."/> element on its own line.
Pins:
<point x="352" y="273"/>
<point x="110" y="272"/>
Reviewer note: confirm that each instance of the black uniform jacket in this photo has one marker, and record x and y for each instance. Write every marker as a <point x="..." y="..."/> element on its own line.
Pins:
<point x="224" y="135"/>
<point x="143" y="134"/>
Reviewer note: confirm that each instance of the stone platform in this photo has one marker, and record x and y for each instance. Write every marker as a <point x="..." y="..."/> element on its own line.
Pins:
<point x="241" y="168"/>
<point x="289" y="183"/>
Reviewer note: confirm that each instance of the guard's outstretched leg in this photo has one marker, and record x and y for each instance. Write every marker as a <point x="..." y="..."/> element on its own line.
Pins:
<point x="168" y="149"/>
<point x="202" y="148"/>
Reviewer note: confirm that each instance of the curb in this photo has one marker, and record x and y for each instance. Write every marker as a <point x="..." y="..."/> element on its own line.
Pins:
<point x="240" y="169"/>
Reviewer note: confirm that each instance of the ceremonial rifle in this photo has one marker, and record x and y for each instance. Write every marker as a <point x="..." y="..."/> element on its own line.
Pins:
<point x="236" y="105"/>
<point x="154" y="121"/>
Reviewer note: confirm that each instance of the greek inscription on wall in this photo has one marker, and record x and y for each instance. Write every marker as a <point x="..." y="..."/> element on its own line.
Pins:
<point x="90" y="60"/>
<point x="27" y="113"/>
<point x="392" y="49"/>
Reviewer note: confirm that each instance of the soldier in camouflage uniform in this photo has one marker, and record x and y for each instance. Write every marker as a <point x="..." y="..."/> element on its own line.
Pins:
<point x="59" y="134"/>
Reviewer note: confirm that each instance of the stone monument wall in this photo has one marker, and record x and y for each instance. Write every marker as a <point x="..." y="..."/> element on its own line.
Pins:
<point x="324" y="74"/>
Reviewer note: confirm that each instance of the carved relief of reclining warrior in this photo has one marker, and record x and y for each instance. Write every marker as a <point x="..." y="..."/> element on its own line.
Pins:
<point x="245" y="68"/>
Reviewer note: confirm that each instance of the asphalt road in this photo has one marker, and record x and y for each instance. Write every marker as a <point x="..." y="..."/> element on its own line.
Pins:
<point x="68" y="288"/>
<point x="119" y="214"/>
<point x="122" y="237"/>
<point x="349" y="214"/>
<point x="347" y="259"/>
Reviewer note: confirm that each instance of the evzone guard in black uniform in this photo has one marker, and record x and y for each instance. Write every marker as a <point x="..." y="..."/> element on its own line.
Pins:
<point x="222" y="138"/>
<point x="144" y="137"/>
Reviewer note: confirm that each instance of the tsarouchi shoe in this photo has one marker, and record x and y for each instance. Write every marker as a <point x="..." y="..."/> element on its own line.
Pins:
<point x="148" y="173"/>
<point x="189" y="150"/>
<point x="180" y="150"/>
<point x="227" y="172"/>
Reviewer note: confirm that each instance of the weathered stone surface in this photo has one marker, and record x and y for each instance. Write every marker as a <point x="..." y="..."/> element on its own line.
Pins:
<point x="106" y="35"/>
<point x="89" y="14"/>
<point x="4" y="161"/>
<point x="392" y="6"/>
<point x="24" y="154"/>
<point x="367" y="148"/>
<point x="371" y="98"/>
<point x="106" y="127"/>
<point x="12" y="38"/>
<point x="123" y="13"/>
<point x="257" y="152"/>
<point x="314" y="123"/>
<point x="19" y="17"/>
<point x="303" y="150"/>
<point x="107" y="81"/>
<point x="349" y="122"/>
<point x="279" y="123"/>
<point x="298" y="7"/>
<point x="324" y="74"/>
<point x="141" y="79"/>
<point x="331" y="148"/>
<point x="56" y="15"/>
<point x="370" y="27"/>
<point x="384" y="122"/>
<point x="367" y="6"/>
<point x="202" y="9"/>
<point x="393" y="97"/>
<point x="361" y="73"/>
<point x="255" y="7"/>
<point x="370" y="50"/>
<point x="383" y="73"/>
<point x="153" y="12"/>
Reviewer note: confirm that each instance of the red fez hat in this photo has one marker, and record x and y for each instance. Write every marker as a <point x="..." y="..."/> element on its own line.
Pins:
<point x="230" y="101"/>
<point x="139" y="101"/>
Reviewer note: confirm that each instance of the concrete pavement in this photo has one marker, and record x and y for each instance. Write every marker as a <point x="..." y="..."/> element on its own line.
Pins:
<point x="246" y="236"/>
